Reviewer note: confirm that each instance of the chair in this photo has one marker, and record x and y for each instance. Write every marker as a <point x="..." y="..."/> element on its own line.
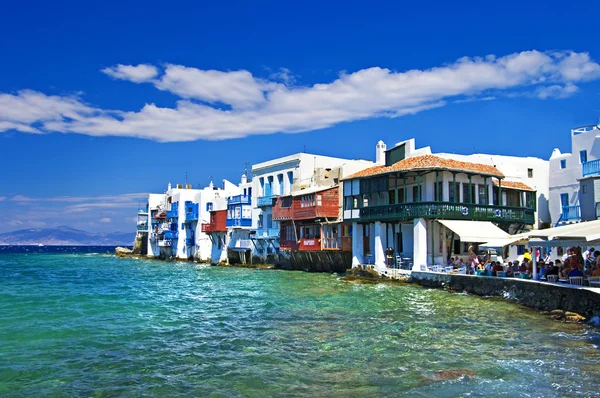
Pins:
<point x="499" y="273"/>
<point x="594" y="281"/>
<point x="398" y="262"/>
<point x="462" y="271"/>
<point x="552" y="278"/>
<point x="423" y="268"/>
<point x="450" y="269"/>
<point x="576" y="280"/>
<point x="517" y="274"/>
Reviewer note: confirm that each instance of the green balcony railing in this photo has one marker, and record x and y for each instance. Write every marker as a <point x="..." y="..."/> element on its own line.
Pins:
<point x="450" y="211"/>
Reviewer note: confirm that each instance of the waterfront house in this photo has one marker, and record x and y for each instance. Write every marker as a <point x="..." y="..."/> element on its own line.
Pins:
<point x="216" y="229"/>
<point x="239" y="223"/>
<point x="176" y="218"/>
<point x="572" y="178"/>
<point x="426" y="208"/>
<point x="280" y="177"/>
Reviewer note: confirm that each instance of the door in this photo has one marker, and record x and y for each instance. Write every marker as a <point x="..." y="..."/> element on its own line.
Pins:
<point x="564" y="199"/>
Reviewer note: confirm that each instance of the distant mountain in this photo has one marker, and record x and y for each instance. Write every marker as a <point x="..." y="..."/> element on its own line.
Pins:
<point x="65" y="236"/>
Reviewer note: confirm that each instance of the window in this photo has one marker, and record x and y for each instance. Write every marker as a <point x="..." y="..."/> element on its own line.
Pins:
<point x="529" y="173"/>
<point x="319" y="200"/>
<point x="347" y="231"/>
<point x="401" y="195"/>
<point x="209" y="206"/>
<point x="289" y="233"/>
<point x="308" y="201"/>
<point x="392" y="197"/>
<point x="584" y="189"/>
<point x="482" y="195"/>
<point x="563" y="164"/>
<point x="365" y="200"/>
<point x="451" y="192"/>
<point x="468" y="193"/>
<point x="290" y="177"/>
<point x="286" y="202"/>
<point x="355" y="202"/>
<point x="520" y="250"/>
<point x="416" y="196"/>
<point x="582" y="156"/>
<point x="280" y="183"/>
<point x="564" y="199"/>
<point x="438" y="191"/>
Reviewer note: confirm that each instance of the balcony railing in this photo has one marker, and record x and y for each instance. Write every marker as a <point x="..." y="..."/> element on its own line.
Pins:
<point x="452" y="211"/>
<point x="570" y="213"/>
<point x="265" y="201"/>
<point x="238" y="222"/>
<point x="267" y="233"/>
<point x="165" y="243"/>
<point x="590" y="168"/>
<point x="244" y="244"/>
<point x="239" y="200"/>
<point x="171" y="235"/>
<point x="191" y="216"/>
<point x="212" y="227"/>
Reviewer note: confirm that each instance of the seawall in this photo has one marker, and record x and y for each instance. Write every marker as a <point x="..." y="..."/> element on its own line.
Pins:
<point x="538" y="295"/>
<point x="315" y="261"/>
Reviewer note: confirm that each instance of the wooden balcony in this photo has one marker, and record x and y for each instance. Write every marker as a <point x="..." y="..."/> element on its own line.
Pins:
<point x="448" y="211"/>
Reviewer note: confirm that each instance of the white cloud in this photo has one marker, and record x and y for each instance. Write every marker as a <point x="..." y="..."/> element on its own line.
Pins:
<point x="2" y="198"/>
<point x="105" y="220"/>
<point x="137" y="74"/>
<point x="219" y="105"/>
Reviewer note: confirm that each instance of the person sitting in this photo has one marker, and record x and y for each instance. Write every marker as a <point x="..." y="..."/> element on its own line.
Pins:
<point x="457" y="262"/>
<point x="552" y="269"/>
<point x="542" y="272"/>
<point x="498" y="268"/>
<point x="526" y="256"/>
<point x="564" y="272"/>
<point x="575" y="271"/>
<point x="596" y="272"/>
<point x="523" y="267"/>
<point x="450" y="262"/>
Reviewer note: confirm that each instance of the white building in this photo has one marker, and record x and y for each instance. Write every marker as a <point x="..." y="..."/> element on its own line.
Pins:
<point x="279" y="177"/>
<point x="566" y="171"/>
<point x="176" y="218"/>
<point x="239" y="223"/>
<point x="427" y="207"/>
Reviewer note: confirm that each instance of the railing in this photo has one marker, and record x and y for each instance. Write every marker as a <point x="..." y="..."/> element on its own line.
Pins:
<point x="267" y="233"/>
<point x="570" y="213"/>
<point x="265" y="201"/>
<point x="210" y="227"/>
<point x="165" y="243"/>
<point x="245" y="244"/>
<point x="444" y="210"/>
<point x="238" y="222"/>
<point x="191" y="216"/>
<point x="239" y="200"/>
<point x="171" y="235"/>
<point x="590" y="168"/>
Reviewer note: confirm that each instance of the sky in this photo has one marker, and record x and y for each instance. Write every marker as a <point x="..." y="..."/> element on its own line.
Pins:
<point x="102" y="103"/>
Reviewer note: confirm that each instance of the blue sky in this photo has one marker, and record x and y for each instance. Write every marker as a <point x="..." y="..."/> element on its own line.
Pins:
<point x="100" y="104"/>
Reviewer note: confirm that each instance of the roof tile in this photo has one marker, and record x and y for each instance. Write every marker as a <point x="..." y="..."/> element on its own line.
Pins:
<point x="430" y="162"/>
<point x="514" y="185"/>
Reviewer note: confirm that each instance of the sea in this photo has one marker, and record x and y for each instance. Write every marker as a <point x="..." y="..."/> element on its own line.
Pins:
<point x="79" y="322"/>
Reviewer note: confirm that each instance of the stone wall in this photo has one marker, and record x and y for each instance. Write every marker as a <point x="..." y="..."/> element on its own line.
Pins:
<point x="538" y="295"/>
<point x="315" y="261"/>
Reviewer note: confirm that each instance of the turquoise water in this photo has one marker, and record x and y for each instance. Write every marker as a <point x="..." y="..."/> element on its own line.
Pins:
<point x="93" y="325"/>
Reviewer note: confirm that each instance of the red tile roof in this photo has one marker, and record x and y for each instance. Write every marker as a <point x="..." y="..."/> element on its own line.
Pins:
<point x="514" y="185"/>
<point x="432" y="163"/>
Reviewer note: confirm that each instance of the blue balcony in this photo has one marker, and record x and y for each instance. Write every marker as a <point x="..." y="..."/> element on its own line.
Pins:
<point x="590" y="168"/>
<point x="238" y="222"/>
<point x="267" y="233"/>
<point x="191" y="211"/>
<point x="171" y="235"/>
<point x="174" y="212"/>
<point x="239" y="200"/>
<point x="266" y="201"/>
<point x="571" y="213"/>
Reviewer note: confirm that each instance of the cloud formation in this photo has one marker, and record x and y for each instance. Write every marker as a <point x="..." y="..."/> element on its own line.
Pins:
<point x="216" y="105"/>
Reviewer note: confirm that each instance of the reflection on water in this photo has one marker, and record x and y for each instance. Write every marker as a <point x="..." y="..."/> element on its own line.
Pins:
<point x="100" y="326"/>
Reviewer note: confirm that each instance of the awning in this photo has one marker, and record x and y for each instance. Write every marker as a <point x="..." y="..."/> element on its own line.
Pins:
<point x="511" y="240"/>
<point x="475" y="231"/>
<point x="583" y="232"/>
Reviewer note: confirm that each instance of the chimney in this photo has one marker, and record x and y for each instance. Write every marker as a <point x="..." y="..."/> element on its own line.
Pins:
<point x="169" y="187"/>
<point x="380" y="153"/>
<point x="244" y="179"/>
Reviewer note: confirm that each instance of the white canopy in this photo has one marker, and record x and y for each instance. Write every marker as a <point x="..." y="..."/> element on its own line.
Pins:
<point x="511" y="240"/>
<point x="585" y="231"/>
<point x="475" y="231"/>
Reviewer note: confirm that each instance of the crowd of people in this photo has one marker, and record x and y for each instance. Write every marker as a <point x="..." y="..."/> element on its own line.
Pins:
<point x="574" y="263"/>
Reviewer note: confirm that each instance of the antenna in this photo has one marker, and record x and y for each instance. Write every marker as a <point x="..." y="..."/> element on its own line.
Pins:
<point x="246" y="168"/>
<point x="304" y="148"/>
<point x="186" y="178"/>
